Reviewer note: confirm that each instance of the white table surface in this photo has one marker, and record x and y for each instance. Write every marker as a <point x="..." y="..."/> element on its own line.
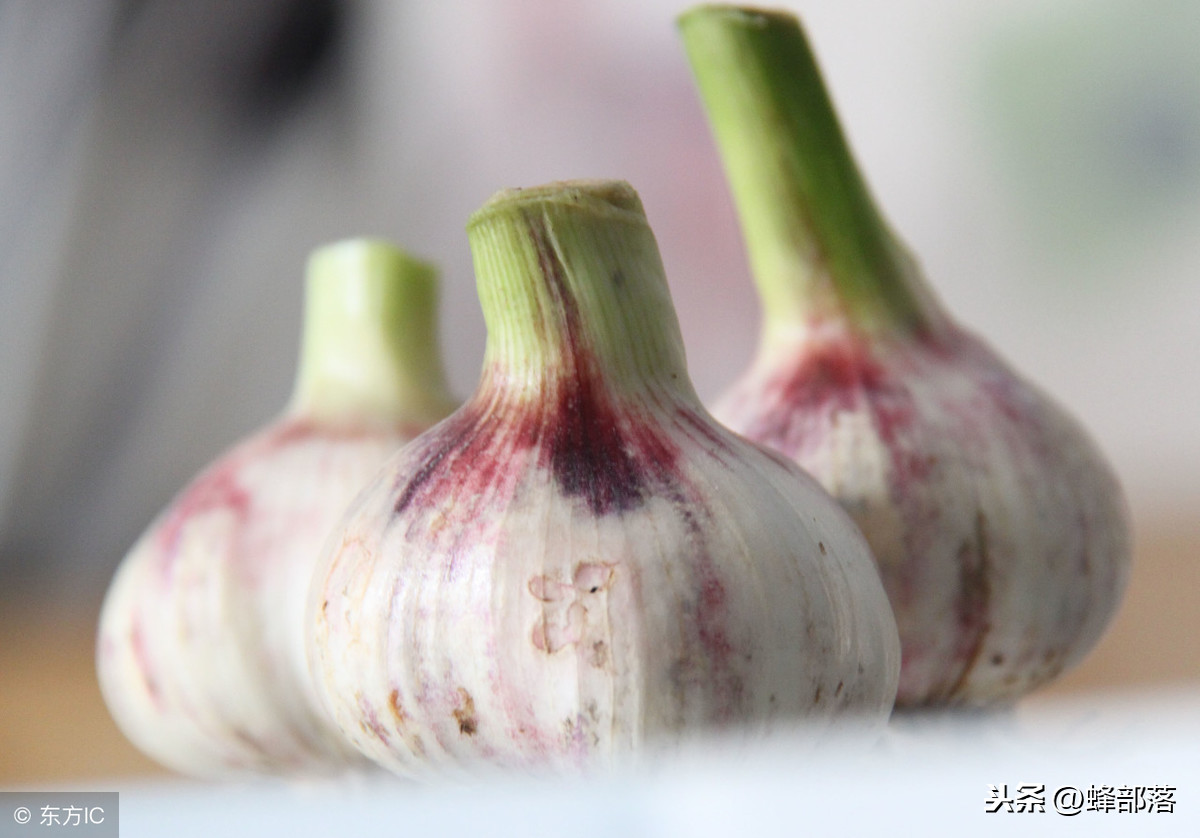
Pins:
<point x="924" y="776"/>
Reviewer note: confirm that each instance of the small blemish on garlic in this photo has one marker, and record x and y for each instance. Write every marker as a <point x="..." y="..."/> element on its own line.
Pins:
<point x="397" y="711"/>
<point x="465" y="713"/>
<point x="599" y="655"/>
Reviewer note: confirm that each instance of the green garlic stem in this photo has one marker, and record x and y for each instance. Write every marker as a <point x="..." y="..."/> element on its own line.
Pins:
<point x="570" y="276"/>
<point x="818" y="247"/>
<point x="369" y="350"/>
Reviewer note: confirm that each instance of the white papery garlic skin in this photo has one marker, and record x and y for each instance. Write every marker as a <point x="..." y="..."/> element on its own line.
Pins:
<point x="579" y="564"/>
<point x="1000" y="532"/>
<point x="200" y="653"/>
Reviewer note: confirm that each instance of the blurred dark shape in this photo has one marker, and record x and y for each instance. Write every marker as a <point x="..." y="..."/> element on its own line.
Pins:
<point x="133" y="161"/>
<point x="305" y="39"/>
<point x="253" y="62"/>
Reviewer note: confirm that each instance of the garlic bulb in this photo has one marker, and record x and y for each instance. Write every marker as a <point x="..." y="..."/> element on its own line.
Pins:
<point x="201" y="652"/>
<point x="579" y="562"/>
<point x="999" y="531"/>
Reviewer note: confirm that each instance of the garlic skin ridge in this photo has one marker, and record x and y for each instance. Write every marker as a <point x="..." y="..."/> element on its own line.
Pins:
<point x="579" y="564"/>
<point x="1001" y="534"/>
<point x="200" y="651"/>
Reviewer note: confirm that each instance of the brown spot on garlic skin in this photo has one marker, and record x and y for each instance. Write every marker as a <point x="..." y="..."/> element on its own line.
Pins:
<point x="580" y="735"/>
<point x="464" y="714"/>
<point x="599" y="655"/>
<point x="397" y="711"/>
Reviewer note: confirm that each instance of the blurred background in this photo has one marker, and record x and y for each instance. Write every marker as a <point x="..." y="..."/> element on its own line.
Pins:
<point x="167" y="165"/>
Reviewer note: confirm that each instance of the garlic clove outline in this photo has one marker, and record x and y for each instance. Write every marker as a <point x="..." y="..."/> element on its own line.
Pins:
<point x="200" y="651"/>
<point x="1000" y="532"/>
<point x="579" y="564"/>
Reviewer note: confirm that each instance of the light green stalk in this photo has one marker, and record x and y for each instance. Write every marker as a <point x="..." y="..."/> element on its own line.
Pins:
<point x="818" y="246"/>
<point x="570" y="280"/>
<point x="369" y="351"/>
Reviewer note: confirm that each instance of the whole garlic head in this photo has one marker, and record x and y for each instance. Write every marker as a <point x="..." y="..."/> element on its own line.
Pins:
<point x="200" y="653"/>
<point x="579" y="564"/>
<point x="1000" y="532"/>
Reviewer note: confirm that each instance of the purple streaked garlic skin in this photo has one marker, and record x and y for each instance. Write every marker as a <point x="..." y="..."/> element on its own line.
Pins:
<point x="1000" y="532"/>
<point x="196" y="665"/>
<point x="200" y="651"/>
<point x="580" y="565"/>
